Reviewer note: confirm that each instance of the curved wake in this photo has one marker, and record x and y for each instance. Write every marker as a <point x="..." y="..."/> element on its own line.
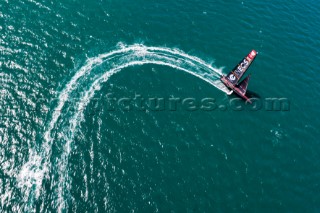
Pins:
<point x="82" y="87"/>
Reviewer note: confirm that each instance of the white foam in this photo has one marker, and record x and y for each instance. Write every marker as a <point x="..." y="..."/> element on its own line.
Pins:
<point x="32" y="173"/>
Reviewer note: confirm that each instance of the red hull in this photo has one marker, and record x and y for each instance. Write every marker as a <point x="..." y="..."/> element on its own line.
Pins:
<point x="234" y="88"/>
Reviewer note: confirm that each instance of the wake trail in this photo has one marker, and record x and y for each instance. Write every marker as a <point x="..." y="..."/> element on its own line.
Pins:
<point x="82" y="86"/>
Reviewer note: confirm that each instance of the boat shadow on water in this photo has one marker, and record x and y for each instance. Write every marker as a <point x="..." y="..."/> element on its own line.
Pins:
<point x="251" y="94"/>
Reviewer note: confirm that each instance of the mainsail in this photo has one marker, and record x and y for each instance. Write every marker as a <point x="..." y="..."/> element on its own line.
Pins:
<point x="235" y="75"/>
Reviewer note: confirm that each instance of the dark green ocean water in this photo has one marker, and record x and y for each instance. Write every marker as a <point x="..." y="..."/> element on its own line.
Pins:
<point x="63" y="149"/>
